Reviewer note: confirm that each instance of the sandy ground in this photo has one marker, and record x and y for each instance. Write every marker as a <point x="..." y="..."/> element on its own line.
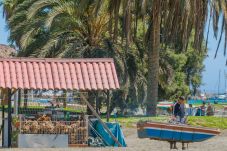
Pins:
<point x="218" y="143"/>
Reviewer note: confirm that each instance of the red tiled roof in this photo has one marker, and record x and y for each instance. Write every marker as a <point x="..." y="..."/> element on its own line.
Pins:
<point x="48" y="73"/>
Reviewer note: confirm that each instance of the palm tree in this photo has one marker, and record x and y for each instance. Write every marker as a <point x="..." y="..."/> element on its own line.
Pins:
<point x="153" y="58"/>
<point x="59" y="27"/>
<point x="172" y="22"/>
<point x="55" y="28"/>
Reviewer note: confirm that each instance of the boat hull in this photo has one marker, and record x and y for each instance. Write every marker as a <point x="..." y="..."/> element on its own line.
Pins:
<point x="171" y="132"/>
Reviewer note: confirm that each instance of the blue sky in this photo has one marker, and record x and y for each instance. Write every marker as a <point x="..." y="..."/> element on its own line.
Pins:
<point x="212" y="66"/>
<point x="3" y="32"/>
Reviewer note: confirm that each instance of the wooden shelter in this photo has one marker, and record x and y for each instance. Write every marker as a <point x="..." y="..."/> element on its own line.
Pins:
<point x="55" y="74"/>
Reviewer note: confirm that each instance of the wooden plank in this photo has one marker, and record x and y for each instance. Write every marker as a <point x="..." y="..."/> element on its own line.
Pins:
<point x="78" y="145"/>
<point x="2" y="128"/>
<point x="9" y="118"/>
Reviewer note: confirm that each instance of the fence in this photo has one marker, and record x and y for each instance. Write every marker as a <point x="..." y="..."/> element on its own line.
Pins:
<point x="217" y="101"/>
<point x="77" y="130"/>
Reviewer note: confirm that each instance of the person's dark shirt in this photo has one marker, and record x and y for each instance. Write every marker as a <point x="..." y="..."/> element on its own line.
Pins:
<point x="177" y="110"/>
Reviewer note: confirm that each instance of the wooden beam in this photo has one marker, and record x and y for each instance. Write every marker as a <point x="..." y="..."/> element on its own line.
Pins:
<point x="9" y="118"/>
<point x="4" y="96"/>
<point x="108" y="105"/>
<point x="103" y="124"/>
<point x="15" y="108"/>
<point x="3" y="123"/>
<point x="25" y="98"/>
<point x="19" y="98"/>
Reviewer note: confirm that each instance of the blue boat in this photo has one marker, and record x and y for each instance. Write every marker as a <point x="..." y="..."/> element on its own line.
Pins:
<point x="174" y="132"/>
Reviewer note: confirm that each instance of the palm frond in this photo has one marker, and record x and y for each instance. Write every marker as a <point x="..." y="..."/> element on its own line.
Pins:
<point x="219" y="41"/>
<point x="40" y="4"/>
<point x="27" y="38"/>
<point x="67" y="8"/>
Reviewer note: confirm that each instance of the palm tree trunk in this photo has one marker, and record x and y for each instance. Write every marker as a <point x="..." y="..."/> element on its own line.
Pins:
<point x="91" y="100"/>
<point x="153" y="59"/>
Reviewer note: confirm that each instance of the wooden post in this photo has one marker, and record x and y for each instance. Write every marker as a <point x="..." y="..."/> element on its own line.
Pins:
<point x="25" y="98"/>
<point x="87" y="125"/>
<point x="107" y="105"/>
<point x="9" y="118"/>
<point x="65" y="98"/>
<point x="3" y="122"/>
<point x="103" y="124"/>
<point x="15" y="108"/>
<point x="19" y="98"/>
<point x="19" y="101"/>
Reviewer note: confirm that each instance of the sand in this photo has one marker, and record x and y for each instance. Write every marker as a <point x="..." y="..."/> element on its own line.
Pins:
<point x="218" y="143"/>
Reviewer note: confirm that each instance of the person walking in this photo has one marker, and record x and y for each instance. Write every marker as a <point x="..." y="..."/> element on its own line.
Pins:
<point x="179" y="114"/>
<point x="179" y="109"/>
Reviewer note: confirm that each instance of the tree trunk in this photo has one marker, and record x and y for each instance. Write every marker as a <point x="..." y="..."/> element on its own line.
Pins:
<point x="97" y="103"/>
<point x="91" y="100"/>
<point x="194" y="90"/>
<point x="153" y="59"/>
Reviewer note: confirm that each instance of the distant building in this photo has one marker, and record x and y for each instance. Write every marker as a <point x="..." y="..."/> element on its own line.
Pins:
<point x="6" y="51"/>
<point x="203" y="96"/>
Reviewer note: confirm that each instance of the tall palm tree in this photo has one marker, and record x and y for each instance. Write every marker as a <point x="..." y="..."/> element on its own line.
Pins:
<point x="172" y="22"/>
<point x="64" y="26"/>
<point x="153" y="58"/>
<point x="168" y="22"/>
<point x="58" y="28"/>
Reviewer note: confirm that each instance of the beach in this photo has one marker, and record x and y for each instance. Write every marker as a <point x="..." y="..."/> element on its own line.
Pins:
<point x="217" y="143"/>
